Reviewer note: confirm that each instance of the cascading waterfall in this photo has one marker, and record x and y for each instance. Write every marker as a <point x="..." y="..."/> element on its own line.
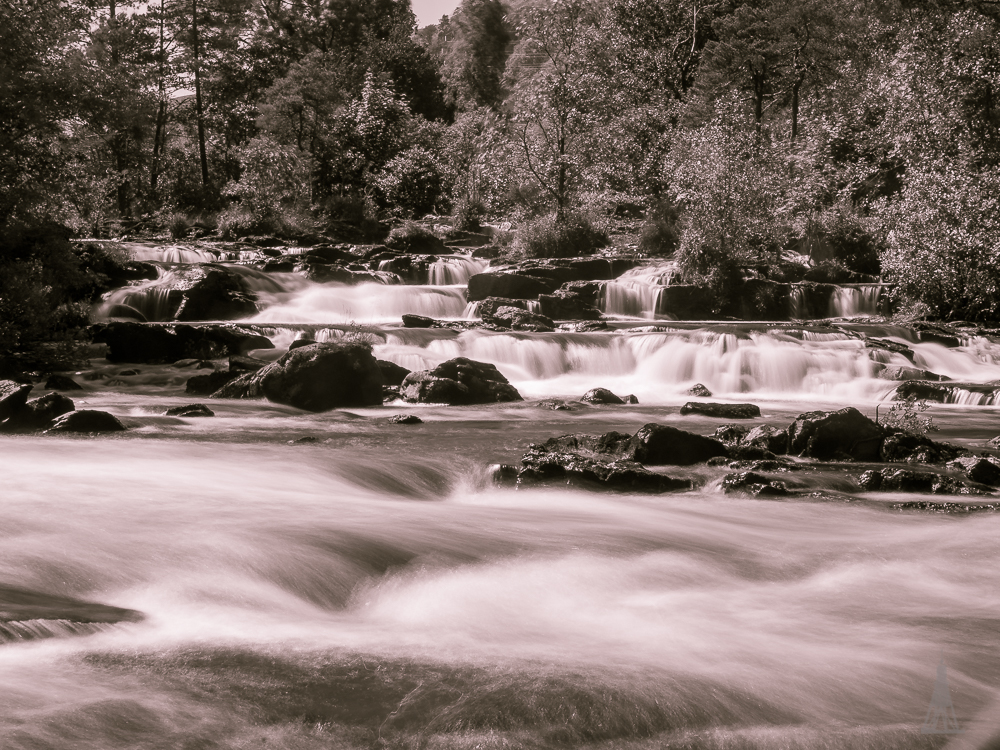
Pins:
<point x="636" y="293"/>
<point x="454" y="270"/>
<point x="169" y="254"/>
<point x="852" y="301"/>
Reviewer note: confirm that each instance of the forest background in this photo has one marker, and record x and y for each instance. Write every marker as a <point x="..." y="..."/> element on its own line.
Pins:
<point x="739" y="131"/>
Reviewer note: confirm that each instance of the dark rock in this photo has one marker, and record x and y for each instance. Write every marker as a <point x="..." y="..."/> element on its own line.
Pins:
<point x="423" y="242"/>
<point x="39" y="413"/>
<point x="390" y="393"/>
<point x="301" y="339"/>
<point x="315" y="378"/>
<point x="575" y="300"/>
<point x="656" y="445"/>
<point x="304" y="440"/>
<point x="503" y="475"/>
<point x="699" y="390"/>
<point x="59" y="382"/>
<point x="910" y="373"/>
<point x="87" y="420"/>
<point x="731" y="433"/>
<point x="686" y="302"/>
<point x="206" y="385"/>
<point x="121" y="311"/>
<point x="279" y="266"/>
<point x="487" y="252"/>
<point x="768" y="438"/>
<point x="844" y="434"/>
<point x="980" y="469"/>
<point x="880" y="349"/>
<point x="405" y="419"/>
<point x="156" y="344"/>
<point x="761" y="299"/>
<point x="392" y="374"/>
<point x="488" y="307"/>
<point x="327" y="253"/>
<point x="323" y="273"/>
<point x="721" y="411"/>
<point x="128" y="373"/>
<point x="240" y="364"/>
<point x="543" y="466"/>
<point x="601" y="396"/>
<point x="515" y="286"/>
<point x="905" y="480"/>
<point x="191" y="410"/>
<point x="751" y="483"/>
<point x="520" y="320"/>
<point x="210" y="293"/>
<point x="584" y="326"/>
<point x="458" y="382"/>
<point x="909" y="447"/>
<point x="417" y="321"/>
<point x="918" y="390"/>
<point x="18" y="605"/>
<point x="13" y="397"/>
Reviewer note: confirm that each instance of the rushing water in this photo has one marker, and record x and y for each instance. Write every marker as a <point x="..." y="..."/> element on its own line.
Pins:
<point x="372" y="588"/>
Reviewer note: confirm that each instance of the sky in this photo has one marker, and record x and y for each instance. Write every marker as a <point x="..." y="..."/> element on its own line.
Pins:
<point x="430" y="11"/>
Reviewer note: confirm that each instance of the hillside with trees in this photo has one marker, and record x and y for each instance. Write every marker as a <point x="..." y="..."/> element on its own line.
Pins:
<point x="739" y="130"/>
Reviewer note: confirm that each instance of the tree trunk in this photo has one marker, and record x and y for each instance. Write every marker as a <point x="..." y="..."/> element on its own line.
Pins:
<point x="795" y="110"/>
<point x="118" y="140"/>
<point x="199" y="110"/>
<point x="161" y="112"/>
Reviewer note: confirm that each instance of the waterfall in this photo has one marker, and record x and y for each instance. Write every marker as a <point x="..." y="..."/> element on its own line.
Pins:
<point x="169" y="254"/>
<point x="636" y="293"/>
<point x="454" y="270"/>
<point x="364" y="303"/>
<point x="852" y="301"/>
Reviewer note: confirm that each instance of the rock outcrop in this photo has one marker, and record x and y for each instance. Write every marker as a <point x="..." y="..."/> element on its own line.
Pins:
<point x="459" y="382"/>
<point x="141" y="343"/>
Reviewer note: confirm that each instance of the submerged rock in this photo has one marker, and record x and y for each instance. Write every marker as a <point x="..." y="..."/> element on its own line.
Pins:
<point x="540" y="465"/>
<point x="721" y="411"/>
<point x="605" y="397"/>
<point x="206" y="385"/>
<point x="751" y="483"/>
<point x="980" y="469"/>
<point x="519" y="320"/>
<point x="844" y="434"/>
<point x="405" y="419"/>
<point x="921" y="390"/>
<point x="459" y="382"/>
<point x="59" y="382"/>
<point x="909" y="447"/>
<point x="87" y="420"/>
<point x="315" y="378"/>
<point x="907" y="480"/>
<point x="190" y="410"/>
<point x="417" y="321"/>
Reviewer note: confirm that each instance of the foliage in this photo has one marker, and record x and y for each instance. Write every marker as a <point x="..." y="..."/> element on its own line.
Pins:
<point x="412" y="237"/>
<point x="468" y="216"/>
<point x="411" y="183"/>
<point x="661" y="230"/>
<point x="272" y="175"/>
<point x="178" y="225"/>
<point x="553" y="236"/>
<point x="907" y="416"/>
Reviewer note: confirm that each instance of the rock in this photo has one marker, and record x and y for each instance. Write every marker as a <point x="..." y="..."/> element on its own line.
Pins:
<point x="516" y="286"/>
<point x="18" y="605"/>
<point x="392" y="374"/>
<point x="141" y="343"/>
<point x="417" y="321"/>
<point x="918" y="390"/>
<point x="909" y="447"/>
<point x="39" y="413"/>
<point x="751" y="483"/>
<point x="542" y="466"/>
<point x="405" y="419"/>
<point x="880" y="349"/>
<point x="609" y="444"/>
<point x="59" y="382"/>
<point x="721" y="411"/>
<point x="503" y="475"/>
<point x="13" y="397"/>
<point x="242" y="364"/>
<point x="768" y="438"/>
<point x="656" y="445"/>
<point x="304" y="440"/>
<point x="322" y="273"/>
<point x="575" y="300"/>
<point x="315" y="378"/>
<point x="605" y="397"/>
<point x="121" y="311"/>
<point x="209" y="293"/>
<point x="390" y="393"/>
<point x="206" y="385"/>
<point x="302" y="338"/>
<point x="583" y="326"/>
<point x="488" y="307"/>
<point x="699" y="390"/>
<point x="457" y="382"/>
<point x="128" y="373"/>
<point x="910" y="373"/>
<point x="731" y="433"/>
<point x="980" y="469"/>
<point x="905" y="480"/>
<point x="191" y="410"/>
<point x="520" y="320"/>
<point x="87" y="420"/>
<point x="844" y="434"/>
<point x="762" y="299"/>
<point x="686" y="302"/>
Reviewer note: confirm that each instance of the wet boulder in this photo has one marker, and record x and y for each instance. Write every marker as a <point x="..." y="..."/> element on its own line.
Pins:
<point x="39" y="414"/>
<point x="761" y="299"/>
<point x="768" y="438"/>
<point x="699" y="390"/>
<point x="753" y="484"/>
<point x="315" y="378"/>
<point x="520" y="320"/>
<point x="604" y="397"/>
<point x="488" y="307"/>
<point x="910" y="447"/>
<point x="515" y="286"/>
<point x="721" y="411"/>
<point x="607" y="444"/>
<point x="13" y="397"/>
<point x="980" y="469"/>
<point x="879" y="350"/>
<point x="417" y="321"/>
<point x="686" y="302"/>
<point x="907" y="480"/>
<point x="24" y="612"/>
<point x="846" y="434"/>
<point x="405" y="419"/>
<point x="392" y="374"/>
<point x="210" y="293"/>
<point x="87" y="420"/>
<point x="656" y="444"/>
<point x="458" y="382"/>
<point x="574" y="300"/>
<point x="910" y="373"/>
<point x="542" y="466"/>
<point x="206" y="385"/>
<point x="190" y="410"/>
<point x="242" y="364"/>
<point x="59" y="382"/>
<point x="920" y="390"/>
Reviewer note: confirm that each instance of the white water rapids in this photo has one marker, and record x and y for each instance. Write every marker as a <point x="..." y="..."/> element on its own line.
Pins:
<point x="371" y="588"/>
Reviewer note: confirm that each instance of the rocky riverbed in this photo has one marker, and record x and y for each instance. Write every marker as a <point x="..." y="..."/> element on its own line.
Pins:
<point x="547" y="507"/>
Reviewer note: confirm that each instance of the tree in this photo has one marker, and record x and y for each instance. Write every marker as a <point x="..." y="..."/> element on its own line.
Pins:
<point x="475" y="52"/>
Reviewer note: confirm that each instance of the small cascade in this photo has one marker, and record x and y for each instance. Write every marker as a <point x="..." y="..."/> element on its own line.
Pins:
<point x="636" y="293"/>
<point x="853" y="301"/>
<point x="797" y="302"/>
<point x="454" y="270"/>
<point x="151" y="298"/>
<point x="169" y="254"/>
<point x="364" y="303"/>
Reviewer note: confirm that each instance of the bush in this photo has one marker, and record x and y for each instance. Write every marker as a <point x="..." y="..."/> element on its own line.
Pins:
<point x="238" y="221"/>
<point x="411" y="184"/>
<point x="548" y="237"/>
<point x="178" y="225"/>
<point x="411" y="237"/>
<point x="469" y="215"/>
<point x="661" y="233"/>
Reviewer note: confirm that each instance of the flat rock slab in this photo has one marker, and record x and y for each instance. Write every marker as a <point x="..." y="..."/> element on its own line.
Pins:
<point x="721" y="411"/>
